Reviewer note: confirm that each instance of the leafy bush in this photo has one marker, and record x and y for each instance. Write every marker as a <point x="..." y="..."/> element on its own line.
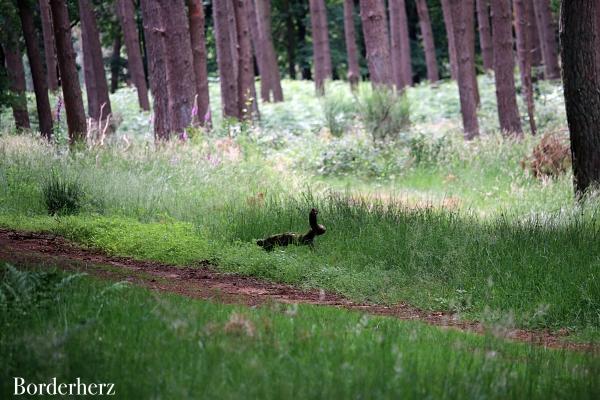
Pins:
<point x="62" y="196"/>
<point x="384" y="112"/>
<point x="339" y="110"/>
<point x="425" y="151"/>
<point x="550" y="158"/>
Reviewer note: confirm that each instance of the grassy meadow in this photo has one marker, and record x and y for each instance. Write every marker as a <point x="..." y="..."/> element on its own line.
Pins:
<point x="416" y="216"/>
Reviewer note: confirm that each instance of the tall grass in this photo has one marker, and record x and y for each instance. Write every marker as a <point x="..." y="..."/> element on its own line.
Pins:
<point x="169" y="346"/>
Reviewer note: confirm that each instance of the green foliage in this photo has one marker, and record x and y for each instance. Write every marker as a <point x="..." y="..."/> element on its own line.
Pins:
<point x="62" y="195"/>
<point x="426" y="152"/>
<point x="102" y="332"/>
<point x="384" y="113"/>
<point x="339" y="110"/>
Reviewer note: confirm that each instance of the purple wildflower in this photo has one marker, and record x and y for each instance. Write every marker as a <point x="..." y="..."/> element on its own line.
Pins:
<point x="183" y="136"/>
<point x="207" y="116"/>
<point x="59" y="104"/>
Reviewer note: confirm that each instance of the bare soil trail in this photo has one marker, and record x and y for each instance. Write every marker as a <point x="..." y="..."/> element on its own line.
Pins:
<point x="203" y="281"/>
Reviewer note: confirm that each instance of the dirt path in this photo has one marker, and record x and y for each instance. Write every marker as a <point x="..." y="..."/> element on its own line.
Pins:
<point x="204" y="282"/>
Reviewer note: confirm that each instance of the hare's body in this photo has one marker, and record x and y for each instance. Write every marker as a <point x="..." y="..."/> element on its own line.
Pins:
<point x="285" y="239"/>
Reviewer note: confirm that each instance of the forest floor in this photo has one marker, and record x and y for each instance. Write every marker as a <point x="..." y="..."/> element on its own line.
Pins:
<point x="202" y="281"/>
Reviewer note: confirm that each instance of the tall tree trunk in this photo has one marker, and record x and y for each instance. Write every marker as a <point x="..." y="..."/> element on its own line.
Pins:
<point x="246" y="90"/>
<point x="68" y="71"/>
<point x="91" y="42"/>
<point x="462" y="18"/>
<point x="263" y="13"/>
<point x="535" y="45"/>
<point x="225" y="60"/>
<point x="16" y="75"/>
<point x="485" y="34"/>
<point x="400" y="44"/>
<point x="350" y="36"/>
<point x="524" y="56"/>
<point x="305" y="68"/>
<point x="374" y="23"/>
<point x="428" y="43"/>
<point x="504" y="66"/>
<point x="198" y="40"/>
<point x="115" y="63"/>
<point x="290" y="35"/>
<point x="40" y="84"/>
<point x="265" y="78"/>
<point x="49" y="49"/>
<point x="447" y="11"/>
<point x="321" y="52"/>
<point x="135" y="65"/>
<point x="157" y="67"/>
<point x="580" y="41"/>
<point x="179" y="64"/>
<point x="547" y="33"/>
<point x="469" y="7"/>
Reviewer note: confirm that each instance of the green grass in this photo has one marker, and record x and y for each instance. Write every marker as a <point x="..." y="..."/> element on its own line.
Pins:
<point x="168" y="346"/>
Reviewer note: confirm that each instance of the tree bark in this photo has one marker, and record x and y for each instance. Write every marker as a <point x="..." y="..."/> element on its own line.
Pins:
<point x="535" y="45"/>
<point x="135" y="65"/>
<point x="462" y="19"/>
<point x="115" y="63"/>
<point x="580" y="40"/>
<point x="157" y="69"/>
<point x="263" y="13"/>
<point x="258" y="51"/>
<point x="198" y="40"/>
<point x="49" y="48"/>
<point x="350" y="36"/>
<point x="470" y="14"/>
<point x="372" y="13"/>
<point x="428" y="43"/>
<point x="400" y="44"/>
<point x="246" y="90"/>
<point x="504" y="66"/>
<point x="547" y="33"/>
<point x="16" y="76"/>
<point x="447" y="11"/>
<point x="225" y="60"/>
<point x="179" y="65"/>
<point x="68" y="71"/>
<point x="524" y="55"/>
<point x="290" y="38"/>
<point x="40" y="84"/>
<point x="485" y="34"/>
<point x="321" y="52"/>
<point x="91" y="44"/>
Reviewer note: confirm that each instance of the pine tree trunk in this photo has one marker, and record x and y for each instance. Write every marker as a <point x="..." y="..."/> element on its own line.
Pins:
<point x="263" y="12"/>
<point x="547" y="33"/>
<point x="485" y="34"/>
<point x="115" y="63"/>
<point x="179" y="64"/>
<point x="40" y="84"/>
<point x="198" y="40"/>
<point x="305" y="68"/>
<point x="469" y="7"/>
<point x="524" y="55"/>
<point x="265" y="79"/>
<point x="68" y="71"/>
<point x="320" y="36"/>
<point x="135" y="65"/>
<point x="374" y="23"/>
<point x="16" y="76"/>
<point x="462" y="18"/>
<point x="91" y="42"/>
<point x="157" y="68"/>
<point x="246" y="90"/>
<point x="350" y="36"/>
<point x="504" y="66"/>
<point x="290" y="35"/>
<point x="428" y="43"/>
<point x="580" y="41"/>
<point x="535" y="45"/>
<point x="447" y="11"/>
<point x="400" y="44"/>
<point x="49" y="48"/>
<point x="225" y="60"/>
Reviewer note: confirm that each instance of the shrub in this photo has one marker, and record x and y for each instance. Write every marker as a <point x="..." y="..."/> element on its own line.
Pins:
<point x="384" y="113"/>
<point x="62" y="196"/>
<point x="425" y="151"/>
<point x="339" y="110"/>
<point x="550" y="158"/>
